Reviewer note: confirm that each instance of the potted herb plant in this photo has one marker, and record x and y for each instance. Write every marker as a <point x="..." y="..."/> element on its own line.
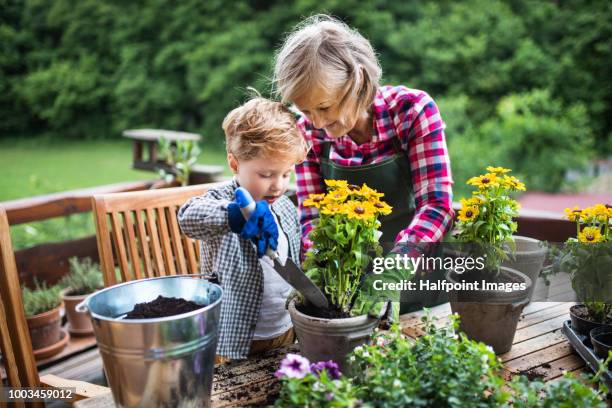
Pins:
<point x="588" y="260"/>
<point x="42" y="309"/>
<point x="490" y="299"/>
<point x="84" y="278"/>
<point x="345" y="238"/>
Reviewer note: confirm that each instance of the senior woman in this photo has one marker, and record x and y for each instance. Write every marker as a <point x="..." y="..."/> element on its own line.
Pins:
<point x="389" y="137"/>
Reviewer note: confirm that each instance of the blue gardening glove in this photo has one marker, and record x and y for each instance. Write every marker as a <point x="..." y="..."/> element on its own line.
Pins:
<point x="261" y="228"/>
<point x="236" y="220"/>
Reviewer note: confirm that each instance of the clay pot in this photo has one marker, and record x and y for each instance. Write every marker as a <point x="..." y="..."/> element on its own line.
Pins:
<point x="45" y="328"/>
<point x="528" y="258"/>
<point x="582" y="325"/>
<point x="490" y="316"/>
<point x="79" y="323"/>
<point x="323" y="339"/>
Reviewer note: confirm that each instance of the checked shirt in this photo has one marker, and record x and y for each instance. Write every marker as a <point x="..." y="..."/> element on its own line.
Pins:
<point x="235" y="261"/>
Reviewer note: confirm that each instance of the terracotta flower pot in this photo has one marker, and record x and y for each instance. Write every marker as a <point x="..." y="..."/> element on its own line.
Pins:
<point x="80" y="323"/>
<point x="45" y="328"/>
<point x="490" y="316"/>
<point x="323" y="339"/>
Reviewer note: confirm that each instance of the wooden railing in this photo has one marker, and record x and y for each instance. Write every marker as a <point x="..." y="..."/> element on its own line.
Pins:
<point x="49" y="261"/>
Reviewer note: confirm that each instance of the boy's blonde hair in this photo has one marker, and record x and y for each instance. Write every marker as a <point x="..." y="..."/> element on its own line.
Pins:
<point x="325" y="52"/>
<point x="263" y="127"/>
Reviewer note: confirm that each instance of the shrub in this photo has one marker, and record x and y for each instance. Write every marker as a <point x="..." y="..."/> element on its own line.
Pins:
<point x="41" y="299"/>
<point x="85" y="277"/>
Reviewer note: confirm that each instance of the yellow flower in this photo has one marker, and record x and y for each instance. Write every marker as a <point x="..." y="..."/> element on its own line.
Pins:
<point x="381" y="207"/>
<point x="513" y="182"/>
<point x="333" y="184"/>
<point x="572" y="214"/>
<point x="590" y="235"/>
<point x="483" y="182"/>
<point x="336" y="196"/>
<point x="360" y="210"/>
<point x="474" y="201"/>
<point x="601" y="212"/>
<point x="370" y="193"/>
<point x="314" y="200"/>
<point x="586" y="215"/>
<point x="498" y="170"/>
<point x="468" y="213"/>
<point x="333" y="209"/>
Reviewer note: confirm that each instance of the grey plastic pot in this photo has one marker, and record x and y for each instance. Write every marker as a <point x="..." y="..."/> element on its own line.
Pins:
<point x="491" y="316"/>
<point x="528" y="259"/>
<point x="330" y="339"/>
<point x="601" y="339"/>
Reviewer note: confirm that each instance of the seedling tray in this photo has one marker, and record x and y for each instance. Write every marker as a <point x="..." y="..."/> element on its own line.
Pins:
<point x="582" y="345"/>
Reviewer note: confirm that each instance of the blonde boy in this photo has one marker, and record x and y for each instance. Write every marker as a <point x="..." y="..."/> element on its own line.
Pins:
<point x="263" y="146"/>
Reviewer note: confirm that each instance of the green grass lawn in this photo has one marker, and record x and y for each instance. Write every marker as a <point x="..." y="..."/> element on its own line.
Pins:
<point x="33" y="167"/>
<point x="41" y="166"/>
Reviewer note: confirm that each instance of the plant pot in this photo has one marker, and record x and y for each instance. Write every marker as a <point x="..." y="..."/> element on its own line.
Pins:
<point x="580" y="323"/>
<point x="45" y="328"/>
<point x="601" y="339"/>
<point x="53" y="349"/>
<point x="528" y="259"/>
<point x="79" y="323"/>
<point x="323" y="339"/>
<point x="490" y="316"/>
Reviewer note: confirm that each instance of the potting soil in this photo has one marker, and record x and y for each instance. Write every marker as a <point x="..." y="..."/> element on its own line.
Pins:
<point x="162" y="307"/>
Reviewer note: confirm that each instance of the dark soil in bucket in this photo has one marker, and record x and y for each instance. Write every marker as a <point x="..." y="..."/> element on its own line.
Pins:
<point x="313" y="311"/>
<point x="162" y="307"/>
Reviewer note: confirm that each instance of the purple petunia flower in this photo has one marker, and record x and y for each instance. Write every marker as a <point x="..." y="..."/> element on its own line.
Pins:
<point x="293" y="366"/>
<point x="330" y="366"/>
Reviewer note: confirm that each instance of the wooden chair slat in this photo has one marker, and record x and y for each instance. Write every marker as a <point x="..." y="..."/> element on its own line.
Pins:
<point x="191" y="256"/>
<point x="15" y="341"/>
<point x="119" y="241"/>
<point x="6" y="346"/>
<point x="103" y="238"/>
<point x="131" y="241"/>
<point x="164" y="236"/>
<point x="175" y="233"/>
<point x="159" y="268"/>
<point x="151" y="242"/>
<point x="143" y="239"/>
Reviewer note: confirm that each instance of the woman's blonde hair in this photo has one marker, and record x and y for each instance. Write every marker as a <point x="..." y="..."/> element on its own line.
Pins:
<point x="263" y="127"/>
<point x="323" y="51"/>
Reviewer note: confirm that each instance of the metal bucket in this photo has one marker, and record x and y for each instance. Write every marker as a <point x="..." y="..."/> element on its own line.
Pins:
<point x="161" y="362"/>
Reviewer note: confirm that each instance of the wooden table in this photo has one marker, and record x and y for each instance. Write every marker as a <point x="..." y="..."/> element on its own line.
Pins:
<point x="539" y="350"/>
<point x="147" y="140"/>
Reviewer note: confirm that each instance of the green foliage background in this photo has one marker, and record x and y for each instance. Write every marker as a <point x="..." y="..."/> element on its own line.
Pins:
<point x="519" y="80"/>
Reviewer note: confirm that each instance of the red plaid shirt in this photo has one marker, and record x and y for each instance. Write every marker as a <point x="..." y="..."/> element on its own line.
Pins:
<point x="413" y="116"/>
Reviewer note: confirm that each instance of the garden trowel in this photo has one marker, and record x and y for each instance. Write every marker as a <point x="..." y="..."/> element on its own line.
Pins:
<point x="289" y="271"/>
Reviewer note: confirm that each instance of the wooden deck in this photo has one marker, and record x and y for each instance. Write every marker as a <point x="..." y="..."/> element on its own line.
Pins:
<point x="540" y="350"/>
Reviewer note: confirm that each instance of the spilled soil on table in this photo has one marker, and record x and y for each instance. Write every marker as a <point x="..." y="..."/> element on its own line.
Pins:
<point x="162" y="307"/>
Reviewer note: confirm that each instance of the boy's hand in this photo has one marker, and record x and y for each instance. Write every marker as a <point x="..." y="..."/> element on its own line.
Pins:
<point x="261" y="228"/>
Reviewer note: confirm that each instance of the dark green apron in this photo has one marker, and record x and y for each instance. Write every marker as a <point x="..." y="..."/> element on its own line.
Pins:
<point x="391" y="177"/>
